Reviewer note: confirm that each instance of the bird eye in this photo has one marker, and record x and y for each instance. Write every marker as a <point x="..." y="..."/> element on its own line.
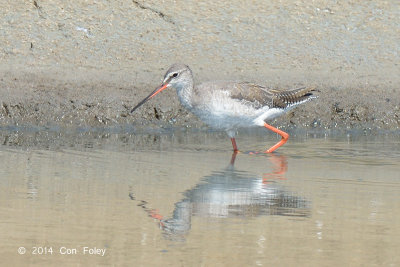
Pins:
<point x="175" y="74"/>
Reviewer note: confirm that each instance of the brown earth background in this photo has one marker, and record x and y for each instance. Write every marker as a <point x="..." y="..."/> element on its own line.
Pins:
<point x="87" y="63"/>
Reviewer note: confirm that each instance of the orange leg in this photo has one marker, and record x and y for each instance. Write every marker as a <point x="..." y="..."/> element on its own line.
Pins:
<point x="284" y="135"/>
<point x="235" y="149"/>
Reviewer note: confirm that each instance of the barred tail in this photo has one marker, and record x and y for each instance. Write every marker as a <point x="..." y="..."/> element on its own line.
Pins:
<point x="294" y="97"/>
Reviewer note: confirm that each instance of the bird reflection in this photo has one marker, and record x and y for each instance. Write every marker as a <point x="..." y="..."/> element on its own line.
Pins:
<point x="230" y="193"/>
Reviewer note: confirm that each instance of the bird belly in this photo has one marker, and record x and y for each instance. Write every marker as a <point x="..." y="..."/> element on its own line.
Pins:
<point x="227" y="118"/>
<point x="226" y="113"/>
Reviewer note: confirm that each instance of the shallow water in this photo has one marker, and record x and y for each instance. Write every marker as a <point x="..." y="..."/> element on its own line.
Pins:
<point x="176" y="199"/>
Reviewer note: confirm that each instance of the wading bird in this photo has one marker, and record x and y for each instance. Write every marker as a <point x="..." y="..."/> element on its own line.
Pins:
<point x="231" y="105"/>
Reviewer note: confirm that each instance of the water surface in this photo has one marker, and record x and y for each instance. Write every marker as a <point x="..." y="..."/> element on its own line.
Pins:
<point x="182" y="198"/>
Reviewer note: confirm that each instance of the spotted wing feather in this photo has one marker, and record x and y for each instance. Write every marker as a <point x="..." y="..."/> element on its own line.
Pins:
<point x="256" y="95"/>
<point x="260" y="96"/>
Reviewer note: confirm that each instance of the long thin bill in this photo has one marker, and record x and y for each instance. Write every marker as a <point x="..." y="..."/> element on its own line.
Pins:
<point x="156" y="91"/>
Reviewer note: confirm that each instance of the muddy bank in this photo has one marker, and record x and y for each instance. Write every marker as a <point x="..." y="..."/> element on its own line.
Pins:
<point x="32" y="99"/>
<point x="86" y="64"/>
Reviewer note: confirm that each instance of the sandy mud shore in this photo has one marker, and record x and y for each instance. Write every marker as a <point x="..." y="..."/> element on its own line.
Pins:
<point x="87" y="63"/>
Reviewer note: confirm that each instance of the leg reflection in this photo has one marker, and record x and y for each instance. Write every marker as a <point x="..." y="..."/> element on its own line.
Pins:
<point x="233" y="158"/>
<point x="279" y="168"/>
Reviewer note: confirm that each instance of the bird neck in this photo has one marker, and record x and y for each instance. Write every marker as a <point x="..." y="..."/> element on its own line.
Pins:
<point x="185" y="93"/>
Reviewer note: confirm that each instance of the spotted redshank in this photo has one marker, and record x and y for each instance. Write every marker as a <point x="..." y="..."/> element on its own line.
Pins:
<point x="231" y="105"/>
